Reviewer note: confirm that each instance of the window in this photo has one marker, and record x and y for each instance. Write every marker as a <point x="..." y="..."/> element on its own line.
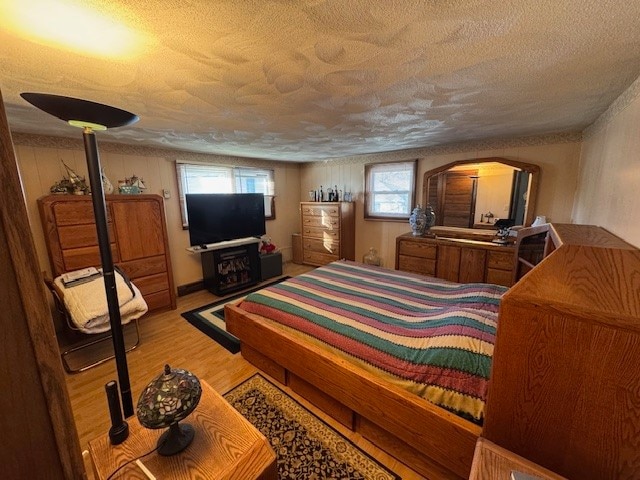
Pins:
<point x="203" y="178"/>
<point x="389" y="190"/>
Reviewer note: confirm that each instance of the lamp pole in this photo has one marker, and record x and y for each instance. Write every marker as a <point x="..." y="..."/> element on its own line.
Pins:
<point x="100" y="212"/>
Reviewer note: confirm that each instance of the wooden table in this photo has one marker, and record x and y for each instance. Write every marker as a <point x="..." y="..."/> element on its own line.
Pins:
<point x="491" y="462"/>
<point x="226" y="446"/>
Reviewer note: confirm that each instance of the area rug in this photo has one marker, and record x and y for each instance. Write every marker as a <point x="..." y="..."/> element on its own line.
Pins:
<point x="306" y="447"/>
<point x="209" y="319"/>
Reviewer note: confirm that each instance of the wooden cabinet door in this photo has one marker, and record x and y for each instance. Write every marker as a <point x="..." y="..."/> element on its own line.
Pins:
<point x="448" y="263"/>
<point x="138" y="228"/>
<point x="472" y="262"/>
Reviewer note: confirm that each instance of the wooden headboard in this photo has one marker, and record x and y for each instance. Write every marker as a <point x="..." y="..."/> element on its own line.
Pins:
<point x="565" y="386"/>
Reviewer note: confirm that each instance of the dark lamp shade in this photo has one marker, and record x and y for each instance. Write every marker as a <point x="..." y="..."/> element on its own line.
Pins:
<point x="169" y="398"/>
<point x="80" y="112"/>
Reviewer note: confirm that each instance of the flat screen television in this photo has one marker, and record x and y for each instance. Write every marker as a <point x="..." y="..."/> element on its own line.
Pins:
<point x="217" y="217"/>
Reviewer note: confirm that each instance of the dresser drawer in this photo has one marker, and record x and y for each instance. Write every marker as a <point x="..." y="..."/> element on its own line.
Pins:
<point x="319" y="232"/>
<point x="423" y="266"/>
<point x="74" y="236"/>
<point x="321" y="210"/>
<point x="316" y="258"/>
<point x="500" y="260"/>
<point x="321" y="246"/>
<point x="144" y="266"/>
<point x="75" y="212"/>
<point x="417" y="249"/>
<point x="152" y="284"/>
<point x="327" y="222"/>
<point x="499" y="277"/>
<point x="77" y="258"/>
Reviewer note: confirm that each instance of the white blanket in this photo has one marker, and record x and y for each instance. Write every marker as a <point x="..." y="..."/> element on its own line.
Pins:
<point x="87" y="303"/>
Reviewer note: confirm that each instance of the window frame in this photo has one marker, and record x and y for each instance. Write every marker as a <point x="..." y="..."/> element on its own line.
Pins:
<point x="235" y="173"/>
<point x="369" y="170"/>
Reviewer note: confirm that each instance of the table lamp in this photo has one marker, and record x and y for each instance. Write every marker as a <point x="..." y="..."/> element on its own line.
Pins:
<point x="168" y="399"/>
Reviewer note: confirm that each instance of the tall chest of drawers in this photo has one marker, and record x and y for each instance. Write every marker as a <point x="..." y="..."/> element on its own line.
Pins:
<point x="328" y="232"/>
<point x="137" y="233"/>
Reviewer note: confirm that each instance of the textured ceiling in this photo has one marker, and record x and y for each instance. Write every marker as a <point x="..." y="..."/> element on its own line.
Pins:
<point x="316" y="79"/>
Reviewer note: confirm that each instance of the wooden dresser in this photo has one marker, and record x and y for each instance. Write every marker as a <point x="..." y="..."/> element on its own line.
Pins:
<point x="565" y="383"/>
<point x="138" y="234"/>
<point x="456" y="259"/>
<point x="328" y="232"/>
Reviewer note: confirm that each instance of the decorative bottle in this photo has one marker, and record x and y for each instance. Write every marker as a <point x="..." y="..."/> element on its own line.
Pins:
<point x="371" y="258"/>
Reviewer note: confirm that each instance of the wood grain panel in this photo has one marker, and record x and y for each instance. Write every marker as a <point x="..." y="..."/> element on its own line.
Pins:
<point x="39" y="437"/>
<point x="75" y="211"/>
<point x="327" y="404"/>
<point x="322" y="210"/>
<point x="265" y="364"/>
<point x="500" y="260"/>
<point x="74" y="236"/>
<point x="144" y="267"/>
<point x="448" y="264"/>
<point x="321" y="246"/>
<point x="472" y="262"/>
<point x="565" y="387"/>
<point x="329" y="223"/>
<point x="404" y="452"/>
<point x="159" y="300"/>
<point x="492" y="462"/>
<point x="417" y="249"/>
<point x="325" y="233"/>
<point x="316" y="258"/>
<point x="423" y="266"/>
<point x="499" y="277"/>
<point x="152" y="283"/>
<point x="139" y="229"/>
<point x="77" y="258"/>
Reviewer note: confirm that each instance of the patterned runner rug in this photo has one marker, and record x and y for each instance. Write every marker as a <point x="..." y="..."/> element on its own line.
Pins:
<point x="306" y="447"/>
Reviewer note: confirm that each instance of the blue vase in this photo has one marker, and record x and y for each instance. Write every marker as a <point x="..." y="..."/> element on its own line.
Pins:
<point x="421" y="220"/>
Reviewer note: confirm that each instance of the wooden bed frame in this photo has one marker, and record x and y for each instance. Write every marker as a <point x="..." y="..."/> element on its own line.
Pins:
<point x="438" y="444"/>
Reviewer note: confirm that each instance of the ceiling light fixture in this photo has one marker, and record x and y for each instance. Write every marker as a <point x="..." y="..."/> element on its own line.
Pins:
<point x="63" y="24"/>
<point x="92" y="116"/>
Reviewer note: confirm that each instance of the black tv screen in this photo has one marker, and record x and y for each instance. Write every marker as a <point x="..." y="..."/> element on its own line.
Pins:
<point x="217" y="217"/>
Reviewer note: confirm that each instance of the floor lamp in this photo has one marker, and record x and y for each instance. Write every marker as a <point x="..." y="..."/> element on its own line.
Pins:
<point x="91" y="116"/>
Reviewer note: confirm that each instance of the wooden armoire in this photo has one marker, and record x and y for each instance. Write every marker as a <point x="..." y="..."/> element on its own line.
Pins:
<point x="138" y="235"/>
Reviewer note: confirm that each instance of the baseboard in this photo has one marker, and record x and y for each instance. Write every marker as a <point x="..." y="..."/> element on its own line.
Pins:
<point x="190" y="288"/>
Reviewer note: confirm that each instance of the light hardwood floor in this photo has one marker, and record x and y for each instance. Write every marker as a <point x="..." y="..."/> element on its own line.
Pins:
<point x="168" y="338"/>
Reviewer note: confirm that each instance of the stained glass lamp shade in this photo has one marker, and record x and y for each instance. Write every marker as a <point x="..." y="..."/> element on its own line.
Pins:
<point x="168" y="399"/>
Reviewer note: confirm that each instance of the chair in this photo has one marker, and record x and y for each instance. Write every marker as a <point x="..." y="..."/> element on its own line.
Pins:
<point x="88" y="340"/>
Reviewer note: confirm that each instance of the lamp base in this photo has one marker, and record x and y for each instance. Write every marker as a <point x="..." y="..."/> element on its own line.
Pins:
<point x="118" y="433"/>
<point x="175" y="439"/>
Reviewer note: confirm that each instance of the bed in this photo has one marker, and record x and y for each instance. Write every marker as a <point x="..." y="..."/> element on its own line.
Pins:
<point x="401" y="358"/>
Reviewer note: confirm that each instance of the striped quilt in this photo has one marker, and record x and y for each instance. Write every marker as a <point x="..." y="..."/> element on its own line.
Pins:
<point x="432" y="337"/>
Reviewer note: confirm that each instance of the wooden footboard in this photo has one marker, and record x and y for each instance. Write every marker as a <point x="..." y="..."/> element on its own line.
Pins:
<point x="439" y="444"/>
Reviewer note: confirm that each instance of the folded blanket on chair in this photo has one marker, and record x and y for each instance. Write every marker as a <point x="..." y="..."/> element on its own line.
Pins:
<point x="87" y="306"/>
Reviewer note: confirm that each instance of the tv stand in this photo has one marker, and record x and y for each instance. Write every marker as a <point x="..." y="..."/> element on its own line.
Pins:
<point x="230" y="266"/>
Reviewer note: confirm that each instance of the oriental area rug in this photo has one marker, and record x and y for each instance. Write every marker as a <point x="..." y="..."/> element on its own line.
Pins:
<point x="306" y="447"/>
<point x="209" y="319"/>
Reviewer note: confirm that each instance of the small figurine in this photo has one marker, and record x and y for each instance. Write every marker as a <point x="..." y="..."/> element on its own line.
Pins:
<point x="266" y="246"/>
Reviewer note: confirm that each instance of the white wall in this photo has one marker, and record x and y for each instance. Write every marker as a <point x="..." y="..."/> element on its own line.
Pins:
<point x="609" y="180"/>
<point x="40" y="167"/>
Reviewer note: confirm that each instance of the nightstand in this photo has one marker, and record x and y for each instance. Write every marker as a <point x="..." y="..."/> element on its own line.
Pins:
<point x="491" y="462"/>
<point x="226" y="446"/>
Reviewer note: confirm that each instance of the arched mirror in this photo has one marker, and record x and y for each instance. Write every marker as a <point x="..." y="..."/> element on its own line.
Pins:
<point x="475" y="193"/>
